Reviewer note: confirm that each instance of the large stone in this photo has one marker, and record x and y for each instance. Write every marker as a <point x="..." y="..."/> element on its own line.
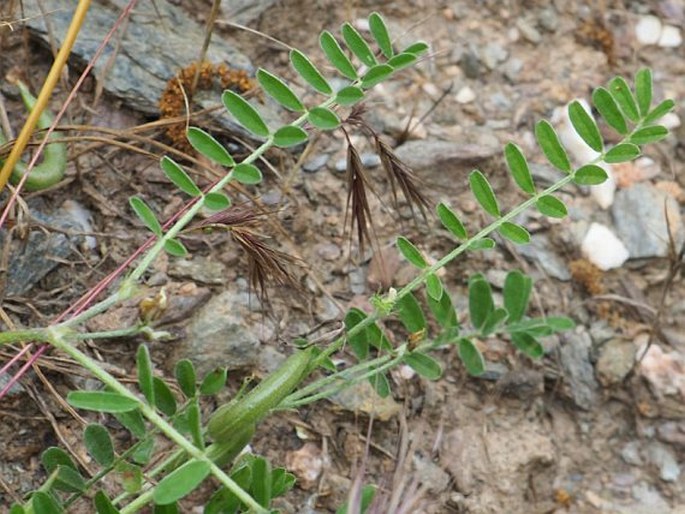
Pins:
<point x="218" y="336"/>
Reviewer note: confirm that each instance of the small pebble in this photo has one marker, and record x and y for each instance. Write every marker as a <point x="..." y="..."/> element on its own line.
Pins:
<point x="470" y="64"/>
<point x="603" y="249"/>
<point x="465" y="95"/>
<point x="648" y="30"/>
<point x="493" y="54"/>
<point x="670" y="37"/>
<point x="315" y="163"/>
<point x="370" y="159"/>
<point x="670" y="120"/>
<point x="529" y="33"/>
<point x="549" y="20"/>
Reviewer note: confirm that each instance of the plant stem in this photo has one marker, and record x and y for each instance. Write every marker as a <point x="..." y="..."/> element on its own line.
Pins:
<point x="147" y="411"/>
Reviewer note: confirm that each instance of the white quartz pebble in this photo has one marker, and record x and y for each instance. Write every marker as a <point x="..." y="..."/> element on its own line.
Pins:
<point x="602" y="248"/>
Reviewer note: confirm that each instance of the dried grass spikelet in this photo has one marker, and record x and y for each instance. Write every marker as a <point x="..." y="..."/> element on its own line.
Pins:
<point x="357" y="206"/>
<point x="172" y="102"/>
<point x="266" y="265"/>
<point x="358" y="180"/>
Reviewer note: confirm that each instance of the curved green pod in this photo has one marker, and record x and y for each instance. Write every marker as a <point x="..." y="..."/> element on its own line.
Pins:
<point x="248" y="410"/>
<point x="51" y="170"/>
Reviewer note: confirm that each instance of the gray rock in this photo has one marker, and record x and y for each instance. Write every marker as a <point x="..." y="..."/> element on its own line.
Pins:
<point x="476" y="145"/>
<point x="672" y="432"/>
<point x="493" y="54"/>
<point x="630" y="453"/>
<point x="218" y="336"/>
<point x="638" y="214"/>
<point x="245" y="11"/>
<point x="340" y="165"/>
<point x="33" y="258"/>
<point x="159" y="39"/>
<point x="548" y="19"/>
<point x="204" y="270"/>
<point x="430" y="474"/>
<point x="315" y="163"/>
<point x="649" y="500"/>
<point x="578" y="371"/>
<point x="616" y="359"/>
<point x="540" y="250"/>
<point x="662" y="457"/>
<point x="370" y="159"/>
<point x="470" y="64"/>
<point x="512" y="69"/>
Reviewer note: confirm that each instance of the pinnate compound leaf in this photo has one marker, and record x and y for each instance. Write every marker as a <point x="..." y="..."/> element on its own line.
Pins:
<point x="145" y="215"/>
<point x="376" y="75"/>
<point x="620" y="90"/>
<point x="164" y="398"/>
<point x="518" y="166"/>
<point x="380" y="34"/>
<point x="101" y="401"/>
<point x="180" y="482"/>
<point x="514" y="233"/>
<point x="649" y="135"/>
<point x="336" y="55"/>
<point x="551" y="206"/>
<point x="424" y="365"/>
<point x="244" y="113"/>
<point x="410" y="314"/>
<point x="43" y="503"/>
<point x="527" y="344"/>
<point x="549" y="143"/>
<point x="130" y="476"/>
<point x="323" y="118"/>
<point x="290" y="135"/>
<point x="451" y="222"/>
<point x="517" y="289"/>
<point x="281" y="482"/>
<point x="358" y="45"/>
<point x="402" y="60"/>
<point x="247" y="174"/>
<point x="171" y="508"/>
<point x="643" y="90"/>
<point x="103" y="505"/>
<point x="16" y="509"/>
<point x="98" y="442"/>
<point x="144" y="369"/>
<point x="483" y="193"/>
<point x="590" y="175"/>
<point x="349" y="95"/>
<point x="53" y="457"/>
<point x="179" y="177"/>
<point x="606" y="105"/>
<point x="417" y="48"/>
<point x="481" y="303"/>
<point x="309" y="72"/>
<point x="175" y="248"/>
<point x="471" y="357"/>
<point x="659" y="112"/>
<point x="217" y="201"/>
<point x="184" y="371"/>
<point x="434" y="287"/>
<point x="622" y="152"/>
<point x="205" y="144"/>
<point x="279" y="91"/>
<point x="410" y="252"/>
<point x="585" y="126"/>
<point x="213" y="382"/>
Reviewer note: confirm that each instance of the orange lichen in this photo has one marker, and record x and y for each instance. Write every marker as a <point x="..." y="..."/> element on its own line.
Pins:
<point x="587" y="275"/>
<point x="172" y="103"/>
